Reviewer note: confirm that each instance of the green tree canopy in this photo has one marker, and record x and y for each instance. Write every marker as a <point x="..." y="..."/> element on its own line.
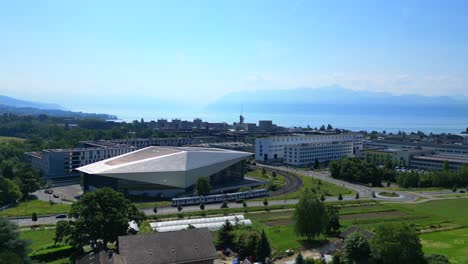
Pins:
<point x="9" y="191"/>
<point x="333" y="218"/>
<point x="99" y="218"/>
<point x="202" y="186"/>
<point x="13" y="249"/>
<point x="225" y="235"/>
<point x="263" y="248"/>
<point x="310" y="216"/>
<point x="396" y="243"/>
<point x="356" y="248"/>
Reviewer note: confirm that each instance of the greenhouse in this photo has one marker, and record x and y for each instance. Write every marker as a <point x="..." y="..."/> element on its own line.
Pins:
<point x="186" y="222"/>
<point x="214" y="226"/>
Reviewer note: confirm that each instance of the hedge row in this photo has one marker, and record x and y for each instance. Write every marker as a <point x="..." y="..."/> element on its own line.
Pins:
<point x="52" y="254"/>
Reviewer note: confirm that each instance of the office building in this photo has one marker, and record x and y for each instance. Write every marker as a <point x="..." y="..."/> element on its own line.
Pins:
<point x="306" y="154"/>
<point x="273" y="148"/>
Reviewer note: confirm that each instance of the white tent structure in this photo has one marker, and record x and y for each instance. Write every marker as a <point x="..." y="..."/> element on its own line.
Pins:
<point x="212" y="223"/>
<point x="211" y="226"/>
<point x="186" y="222"/>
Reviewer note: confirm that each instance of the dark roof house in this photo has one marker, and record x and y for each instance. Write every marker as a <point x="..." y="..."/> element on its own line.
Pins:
<point x="184" y="246"/>
<point x="190" y="246"/>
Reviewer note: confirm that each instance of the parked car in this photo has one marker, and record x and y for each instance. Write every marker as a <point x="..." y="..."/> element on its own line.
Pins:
<point x="49" y="191"/>
<point x="61" y="216"/>
<point x="56" y="195"/>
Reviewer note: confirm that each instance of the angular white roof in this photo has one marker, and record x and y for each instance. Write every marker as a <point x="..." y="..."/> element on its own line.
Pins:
<point x="163" y="159"/>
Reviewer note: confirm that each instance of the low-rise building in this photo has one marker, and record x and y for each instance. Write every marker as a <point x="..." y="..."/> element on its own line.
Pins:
<point x="436" y="161"/>
<point x="58" y="165"/>
<point x="165" y="171"/>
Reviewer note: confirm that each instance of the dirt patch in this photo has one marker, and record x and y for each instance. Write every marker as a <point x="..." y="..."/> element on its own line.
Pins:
<point x="372" y="215"/>
<point x="281" y="222"/>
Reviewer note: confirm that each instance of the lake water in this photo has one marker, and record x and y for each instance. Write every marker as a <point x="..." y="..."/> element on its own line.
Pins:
<point x="389" y="123"/>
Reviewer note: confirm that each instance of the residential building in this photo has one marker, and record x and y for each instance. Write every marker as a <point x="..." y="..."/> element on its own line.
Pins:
<point x="266" y="125"/>
<point x="273" y="148"/>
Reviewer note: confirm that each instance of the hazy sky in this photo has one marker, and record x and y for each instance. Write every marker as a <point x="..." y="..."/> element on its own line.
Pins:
<point x="82" y="52"/>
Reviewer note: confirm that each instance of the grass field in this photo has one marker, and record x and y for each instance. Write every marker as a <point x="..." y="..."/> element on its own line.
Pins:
<point x="9" y="139"/>
<point x="448" y="216"/>
<point x="317" y="186"/>
<point x="453" y="243"/>
<point x="268" y="176"/>
<point x="40" y="207"/>
<point x="39" y="237"/>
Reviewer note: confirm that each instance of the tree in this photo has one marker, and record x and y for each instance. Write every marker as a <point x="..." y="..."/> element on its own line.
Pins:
<point x="310" y="216"/>
<point x="263" y="248"/>
<point x="357" y="196"/>
<point x="446" y="166"/>
<point x="322" y="198"/>
<point x="99" y="217"/>
<point x="225" y="235"/>
<point x="179" y="208"/>
<point x="9" y="191"/>
<point x="340" y="197"/>
<point x="316" y="164"/>
<point x="329" y="127"/>
<point x="322" y="128"/>
<point x="224" y="205"/>
<point x="29" y="182"/>
<point x="13" y="249"/>
<point x="265" y="202"/>
<point x="202" y="206"/>
<point x="244" y="204"/>
<point x="34" y="217"/>
<point x="263" y="171"/>
<point x="299" y="259"/>
<point x="396" y="243"/>
<point x="273" y="174"/>
<point x="202" y="186"/>
<point x="356" y="247"/>
<point x="333" y="224"/>
<point x="190" y="226"/>
<point x="155" y="210"/>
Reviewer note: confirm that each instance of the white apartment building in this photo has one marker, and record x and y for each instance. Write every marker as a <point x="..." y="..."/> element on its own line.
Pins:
<point x="306" y="154"/>
<point x="273" y="148"/>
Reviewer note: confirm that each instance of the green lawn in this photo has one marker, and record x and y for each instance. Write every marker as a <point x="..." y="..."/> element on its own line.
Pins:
<point x="8" y="139"/>
<point x="39" y="237"/>
<point x="268" y="176"/>
<point x="40" y="207"/>
<point x="455" y="210"/>
<point x="317" y="186"/>
<point x="152" y="204"/>
<point x="453" y="243"/>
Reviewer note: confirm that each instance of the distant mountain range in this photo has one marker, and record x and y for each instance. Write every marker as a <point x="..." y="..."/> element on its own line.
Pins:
<point x="22" y="107"/>
<point x="339" y="100"/>
<point x="10" y="101"/>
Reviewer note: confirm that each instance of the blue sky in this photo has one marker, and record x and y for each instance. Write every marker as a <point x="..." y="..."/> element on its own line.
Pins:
<point x="76" y="53"/>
